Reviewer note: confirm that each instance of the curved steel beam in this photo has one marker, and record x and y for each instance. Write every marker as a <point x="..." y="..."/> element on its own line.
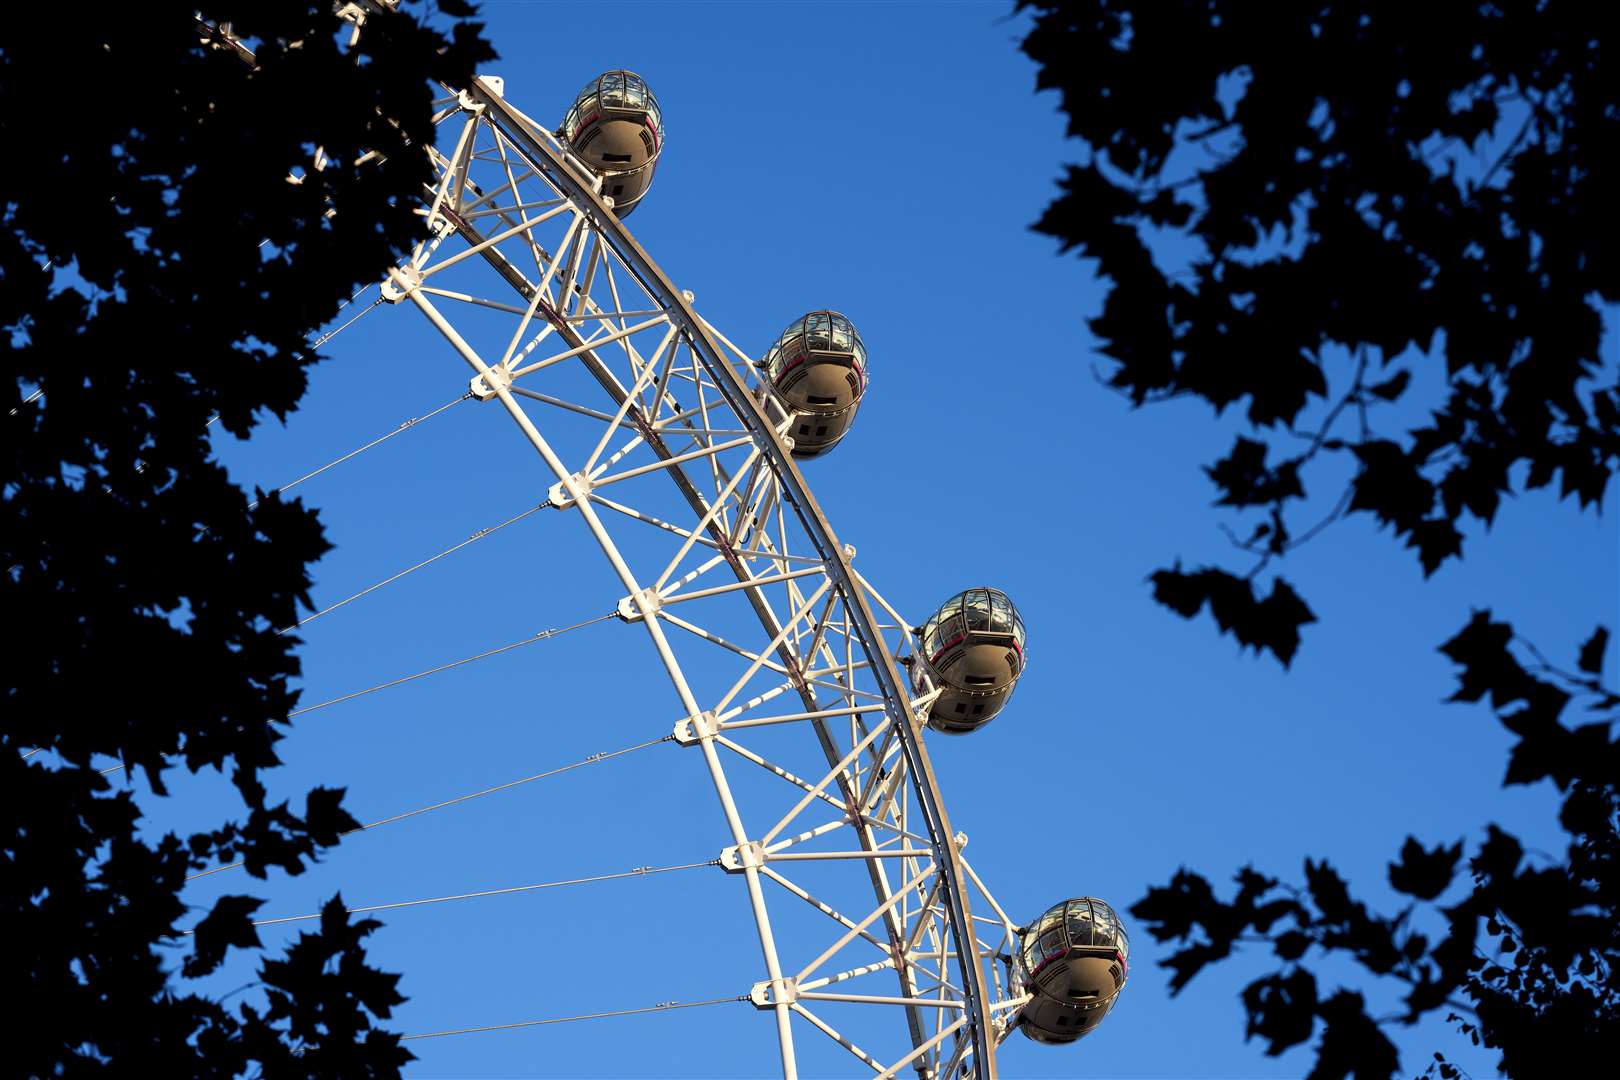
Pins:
<point x="544" y="160"/>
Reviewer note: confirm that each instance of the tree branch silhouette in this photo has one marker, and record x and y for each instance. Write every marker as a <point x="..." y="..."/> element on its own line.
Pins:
<point x="159" y="274"/>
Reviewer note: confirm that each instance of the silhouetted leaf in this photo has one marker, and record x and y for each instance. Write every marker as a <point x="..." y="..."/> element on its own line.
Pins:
<point x="1592" y="652"/>
<point x="1328" y="890"/>
<point x="1282" y="1009"/>
<point x="1172" y="911"/>
<point x="228" y="925"/>
<point x="1291" y="945"/>
<point x="1270" y="624"/>
<point x="1245" y="480"/>
<point x="1423" y="873"/>
<point x="1188" y="962"/>
<point x="1351" y="1043"/>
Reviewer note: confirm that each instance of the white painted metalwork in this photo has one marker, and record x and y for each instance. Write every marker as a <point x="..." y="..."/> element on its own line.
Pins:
<point x="614" y="380"/>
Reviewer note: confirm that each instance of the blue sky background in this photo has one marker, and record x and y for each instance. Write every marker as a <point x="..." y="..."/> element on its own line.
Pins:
<point x="885" y="160"/>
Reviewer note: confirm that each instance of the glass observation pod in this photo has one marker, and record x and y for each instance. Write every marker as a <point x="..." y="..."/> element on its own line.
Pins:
<point x="1074" y="960"/>
<point x="614" y="125"/>
<point x="973" y="650"/>
<point x="818" y="366"/>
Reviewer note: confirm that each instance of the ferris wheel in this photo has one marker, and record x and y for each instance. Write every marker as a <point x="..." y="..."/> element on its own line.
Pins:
<point x="678" y="453"/>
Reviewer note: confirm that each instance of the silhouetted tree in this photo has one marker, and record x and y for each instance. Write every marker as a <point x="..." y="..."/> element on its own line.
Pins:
<point x="157" y="270"/>
<point x="1306" y="201"/>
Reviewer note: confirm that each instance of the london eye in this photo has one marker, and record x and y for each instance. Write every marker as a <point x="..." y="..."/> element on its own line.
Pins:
<point x="799" y="693"/>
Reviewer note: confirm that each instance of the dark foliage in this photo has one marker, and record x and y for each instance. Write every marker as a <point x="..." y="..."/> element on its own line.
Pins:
<point x="1528" y="962"/>
<point x="1287" y="198"/>
<point x="1362" y="186"/>
<point x="158" y="269"/>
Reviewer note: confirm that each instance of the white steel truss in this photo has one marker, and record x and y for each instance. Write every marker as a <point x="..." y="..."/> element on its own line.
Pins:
<point x="664" y="442"/>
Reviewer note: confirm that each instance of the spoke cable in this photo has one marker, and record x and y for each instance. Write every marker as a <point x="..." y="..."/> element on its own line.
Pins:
<point x="479" y="535"/>
<point x="323" y="340"/>
<point x="639" y="871"/>
<point x="662" y="1006"/>
<point x="405" y="426"/>
<point x="530" y="640"/>
<point x="591" y="760"/>
<point x="330" y="334"/>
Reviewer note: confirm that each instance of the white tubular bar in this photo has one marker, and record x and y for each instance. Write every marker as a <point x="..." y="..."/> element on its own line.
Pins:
<point x="924" y="1048"/>
<point x="832" y="1033"/>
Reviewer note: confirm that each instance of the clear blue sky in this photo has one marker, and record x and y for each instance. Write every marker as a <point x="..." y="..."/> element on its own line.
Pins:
<point x="884" y="160"/>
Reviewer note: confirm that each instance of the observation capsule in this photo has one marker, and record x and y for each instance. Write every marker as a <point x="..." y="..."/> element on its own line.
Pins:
<point x="818" y="366"/>
<point x="972" y="648"/>
<point x="1074" y="959"/>
<point x="614" y="125"/>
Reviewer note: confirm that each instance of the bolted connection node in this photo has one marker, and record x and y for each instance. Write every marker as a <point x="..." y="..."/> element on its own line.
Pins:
<point x="567" y="492"/>
<point x="495" y="83"/>
<point x="765" y="997"/>
<point x="402" y="281"/>
<point x="740" y="857"/>
<point x="638" y="605"/>
<point x="694" y="729"/>
<point x="849" y="552"/>
<point x="490" y="382"/>
<point x="689" y="296"/>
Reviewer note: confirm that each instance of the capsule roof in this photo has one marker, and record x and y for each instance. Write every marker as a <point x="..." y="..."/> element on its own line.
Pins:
<point x="1082" y="923"/>
<point x="825" y="332"/>
<point x="613" y="92"/>
<point x="983" y="609"/>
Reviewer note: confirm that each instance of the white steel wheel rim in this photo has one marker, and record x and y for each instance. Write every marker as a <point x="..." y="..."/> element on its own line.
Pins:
<point x="529" y="248"/>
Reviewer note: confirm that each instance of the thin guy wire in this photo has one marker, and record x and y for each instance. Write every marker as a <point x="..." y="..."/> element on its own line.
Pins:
<point x="324" y="338"/>
<point x="322" y="341"/>
<point x="406" y="426"/>
<point x="479" y="535"/>
<point x="592" y="760"/>
<point x="541" y="636"/>
<point x="663" y="1006"/>
<point x="640" y="871"/>
<point x="312" y="345"/>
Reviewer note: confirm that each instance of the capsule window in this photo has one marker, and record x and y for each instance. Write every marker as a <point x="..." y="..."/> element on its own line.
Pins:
<point x="817" y="399"/>
<point x="804" y="429"/>
<point x="961" y="707"/>
<point x="618" y="159"/>
<point x="647" y="141"/>
<point x="618" y="189"/>
<point x="979" y="680"/>
<point x="821" y="429"/>
<point x="978" y="710"/>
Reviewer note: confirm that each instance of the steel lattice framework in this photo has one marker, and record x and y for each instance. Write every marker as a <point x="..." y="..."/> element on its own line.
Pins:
<point x="537" y="285"/>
